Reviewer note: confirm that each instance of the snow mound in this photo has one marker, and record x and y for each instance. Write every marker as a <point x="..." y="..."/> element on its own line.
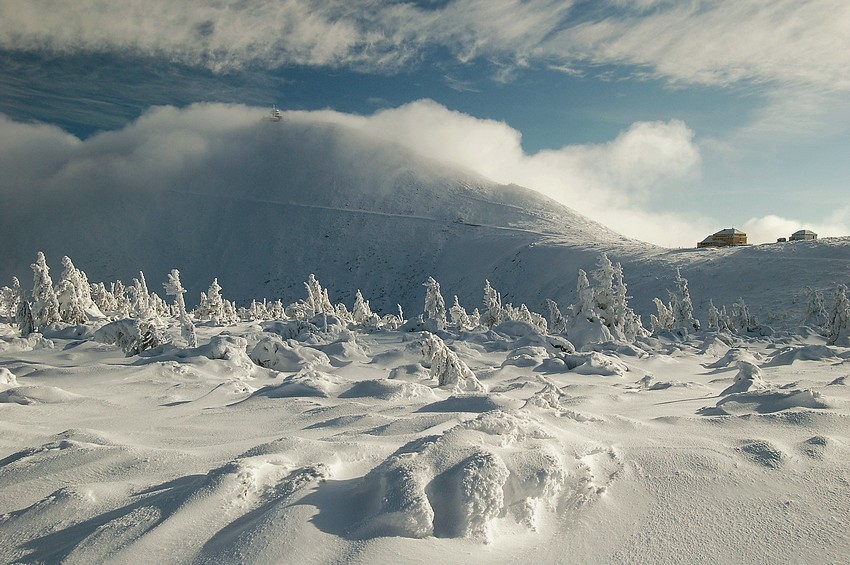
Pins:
<point x="749" y="378"/>
<point x="345" y="350"/>
<point x="817" y="447"/>
<point x="410" y="372"/>
<point x="305" y="383"/>
<point x="66" y="331"/>
<point x="384" y="389"/>
<point x="319" y="330"/>
<point x="7" y="377"/>
<point x="32" y="342"/>
<point x="768" y="401"/>
<point x="549" y="397"/>
<point x="287" y="356"/>
<point x="762" y="452"/>
<point x="37" y="394"/>
<point x="459" y="483"/>
<point x="805" y="353"/>
<point x="585" y="333"/>
<point x="595" y="363"/>
<point x="732" y="357"/>
<point x="648" y="382"/>
<point x="528" y="356"/>
<point x="230" y="348"/>
<point x="474" y="403"/>
<point x="716" y="344"/>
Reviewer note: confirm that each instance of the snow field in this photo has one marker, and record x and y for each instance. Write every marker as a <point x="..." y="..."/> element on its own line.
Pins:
<point x="194" y="454"/>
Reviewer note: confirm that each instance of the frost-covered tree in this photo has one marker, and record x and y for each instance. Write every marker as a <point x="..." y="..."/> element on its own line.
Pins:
<point x="9" y="298"/>
<point x="139" y="297"/>
<point x="533" y="318"/>
<point x="664" y="319"/>
<point x="258" y="311"/>
<point x="493" y="313"/>
<point x="231" y="316"/>
<point x="584" y="306"/>
<point x="475" y="318"/>
<point x="123" y="305"/>
<point x="458" y="316"/>
<point x="447" y="367"/>
<point x="435" y="306"/>
<point x="603" y="292"/>
<point x="839" y="318"/>
<point x="26" y="324"/>
<point x="713" y="315"/>
<point x="174" y="288"/>
<point x="682" y="306"/>
<point x="816" y="314"/>
<point x="45" y="306"/>
<point x="103" y="299"/>
<point x="633" y="326"/>
<point x="317" y="297"/>
<point x="212" y="306"/>
<point x="73" y="293"/>
<point x="741" y="319"/>
<point x="621" y="308"/>
<point x="361" y="312"/>
<point x="556" y="322"/>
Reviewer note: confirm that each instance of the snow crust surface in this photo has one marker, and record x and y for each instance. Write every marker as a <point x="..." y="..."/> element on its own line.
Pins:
<point x="212" y="454"/>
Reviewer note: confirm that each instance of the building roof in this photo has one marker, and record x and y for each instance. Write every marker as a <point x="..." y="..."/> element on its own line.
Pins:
<point x="730" y="231"/>
<point x="804" y="232"/>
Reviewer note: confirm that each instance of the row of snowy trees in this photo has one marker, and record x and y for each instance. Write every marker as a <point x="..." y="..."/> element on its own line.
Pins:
<point x="600" y="313"/>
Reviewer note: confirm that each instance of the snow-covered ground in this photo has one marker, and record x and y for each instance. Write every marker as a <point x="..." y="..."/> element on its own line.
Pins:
<point x="713" y="448"/>
<point x="359" y="438"/>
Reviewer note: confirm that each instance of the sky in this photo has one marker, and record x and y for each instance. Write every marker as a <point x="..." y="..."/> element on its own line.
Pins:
<point x="664" y="120"/>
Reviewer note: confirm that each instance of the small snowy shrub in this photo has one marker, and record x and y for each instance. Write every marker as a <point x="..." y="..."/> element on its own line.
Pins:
<point x="816" y="314"/>
<point x="132" y="335"/>
<point x="274" y="353"/>
<point x="839" y="318"/>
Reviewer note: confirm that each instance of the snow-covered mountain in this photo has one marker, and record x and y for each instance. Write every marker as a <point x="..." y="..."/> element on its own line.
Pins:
<point x="327" y="439"/>
<point x="261" y="205"/>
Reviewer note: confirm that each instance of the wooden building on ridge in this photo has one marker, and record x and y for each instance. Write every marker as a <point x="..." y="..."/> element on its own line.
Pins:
<point x="724" y="238"/>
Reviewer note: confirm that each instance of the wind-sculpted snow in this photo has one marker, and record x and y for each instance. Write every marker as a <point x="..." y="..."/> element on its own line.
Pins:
<point x="456" y="484"/>
<point x="325" y="441"/>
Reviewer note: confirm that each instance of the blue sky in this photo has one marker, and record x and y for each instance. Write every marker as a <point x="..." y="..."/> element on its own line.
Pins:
<point x="664" y="120"/>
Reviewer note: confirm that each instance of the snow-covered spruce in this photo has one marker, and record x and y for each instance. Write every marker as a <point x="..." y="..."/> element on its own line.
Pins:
<point x="175" y="289"/>
<point x="435" y="307"/>
<point x="446" y="366"/>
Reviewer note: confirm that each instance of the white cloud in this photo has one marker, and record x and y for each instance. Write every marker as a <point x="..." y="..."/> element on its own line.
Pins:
<point x="794" y="52"/>
<point x="769" y="228"/>
<point x="616" y="183"/>
<point x="707" y="42"/>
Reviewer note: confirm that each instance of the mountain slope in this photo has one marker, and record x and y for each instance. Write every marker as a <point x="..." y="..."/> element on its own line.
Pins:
<point x="262" y="205"/>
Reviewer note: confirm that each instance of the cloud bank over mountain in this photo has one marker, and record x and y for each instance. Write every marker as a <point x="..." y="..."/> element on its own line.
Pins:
<point x="622" y="183"/>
